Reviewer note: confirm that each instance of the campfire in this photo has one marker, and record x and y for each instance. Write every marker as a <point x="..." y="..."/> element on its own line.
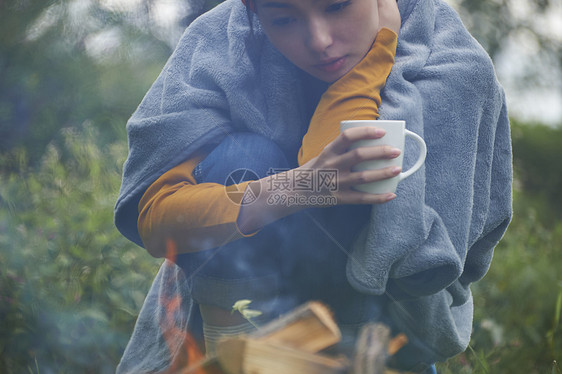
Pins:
<point x="302" y="342"/>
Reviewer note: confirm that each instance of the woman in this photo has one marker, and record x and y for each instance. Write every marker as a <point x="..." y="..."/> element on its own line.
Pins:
<point x="238" y="94"/>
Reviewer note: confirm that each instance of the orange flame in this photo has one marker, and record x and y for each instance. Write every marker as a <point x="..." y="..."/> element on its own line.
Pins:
<point x="171" y="250"/>
<point x="184" y="350"/>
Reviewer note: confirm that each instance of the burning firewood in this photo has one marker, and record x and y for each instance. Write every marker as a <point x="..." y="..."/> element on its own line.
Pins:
<point x="293" y="344"/>
<point x="310" y="328"/>
<point x="249" y="355"/>
<point x="286" y="345"/>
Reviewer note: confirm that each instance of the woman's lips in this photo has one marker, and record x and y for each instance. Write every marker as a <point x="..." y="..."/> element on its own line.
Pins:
<point x="331" y="65"/>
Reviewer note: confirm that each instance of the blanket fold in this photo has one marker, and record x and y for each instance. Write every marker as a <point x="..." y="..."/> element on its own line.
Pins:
<point x="424" y="248"/>
<point x="454" y="210"/>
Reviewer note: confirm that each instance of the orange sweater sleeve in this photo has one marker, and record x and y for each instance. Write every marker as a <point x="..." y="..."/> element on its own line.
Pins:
<point x="354" y="96"/>
<point x="177" y="215"/>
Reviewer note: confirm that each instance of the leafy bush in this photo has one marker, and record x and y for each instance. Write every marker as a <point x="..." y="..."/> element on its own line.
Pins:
<point x="70" y="284"/>
<point x="537" y="153"/>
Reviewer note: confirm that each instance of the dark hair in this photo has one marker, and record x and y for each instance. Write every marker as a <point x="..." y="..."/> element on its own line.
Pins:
<point x="250" y="6"/>
<point x="250" y="12"/>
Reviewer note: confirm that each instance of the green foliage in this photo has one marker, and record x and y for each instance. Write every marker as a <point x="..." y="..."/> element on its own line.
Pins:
<point x="50" y="80"/>
<point x="70" y="284"/>
<point x="499" y="23"/>
<point x="537" y="153"/>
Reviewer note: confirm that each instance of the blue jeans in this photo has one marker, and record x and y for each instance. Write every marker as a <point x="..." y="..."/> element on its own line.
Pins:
<point x="295" y="259"/>
<point x="298" y="258"/>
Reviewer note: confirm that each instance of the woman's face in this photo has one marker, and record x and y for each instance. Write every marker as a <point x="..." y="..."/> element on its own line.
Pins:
<point x="325" y="38"/>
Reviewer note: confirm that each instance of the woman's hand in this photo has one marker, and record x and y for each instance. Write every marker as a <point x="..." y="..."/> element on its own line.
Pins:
<point x="337" y="156"/>
<point x="389" y="16"/>
<point x="273" y="203"/>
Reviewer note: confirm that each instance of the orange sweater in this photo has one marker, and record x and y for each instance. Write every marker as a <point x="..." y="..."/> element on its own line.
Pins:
<point x="178" y="215"/>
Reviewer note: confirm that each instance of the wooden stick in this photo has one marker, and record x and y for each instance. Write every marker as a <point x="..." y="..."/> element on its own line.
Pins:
<point x="396" y="343"/>
<point x="310" y="328"/>
<point x="248" y="355"/>
<point x="371" y="349"/>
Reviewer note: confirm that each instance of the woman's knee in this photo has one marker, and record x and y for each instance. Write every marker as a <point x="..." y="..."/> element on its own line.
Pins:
<point x="255" y="153"/>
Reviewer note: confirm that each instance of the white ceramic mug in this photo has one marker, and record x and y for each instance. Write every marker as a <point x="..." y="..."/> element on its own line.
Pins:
<point x="394" y="137"/>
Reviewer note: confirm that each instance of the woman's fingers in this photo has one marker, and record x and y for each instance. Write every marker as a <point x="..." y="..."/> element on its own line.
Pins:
<point x="337" y="155"/>
<point x="357" y="155"/>
<point x="342" y="143"/>
<point x="357" y="197"/>
<point x="367" y="176"/>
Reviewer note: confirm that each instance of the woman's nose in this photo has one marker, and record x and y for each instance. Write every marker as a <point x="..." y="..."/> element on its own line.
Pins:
<point x="319" y="36"/>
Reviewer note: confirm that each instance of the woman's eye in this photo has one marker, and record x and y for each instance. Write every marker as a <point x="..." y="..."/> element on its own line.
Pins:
<point x="283" y="21"/>
<point x="338" y="6"/>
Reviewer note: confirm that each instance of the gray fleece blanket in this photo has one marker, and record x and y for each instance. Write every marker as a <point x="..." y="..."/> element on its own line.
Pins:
<point x="423" y="249"/>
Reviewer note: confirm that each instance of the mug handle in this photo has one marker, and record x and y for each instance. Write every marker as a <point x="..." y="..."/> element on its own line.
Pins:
<point x="421" y="158"/>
